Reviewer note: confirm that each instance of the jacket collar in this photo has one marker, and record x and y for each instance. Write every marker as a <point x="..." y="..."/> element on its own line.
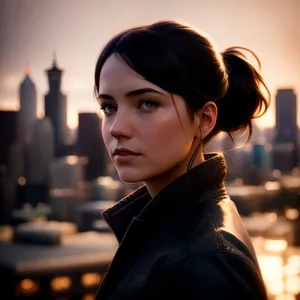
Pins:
<point x="183" y="192"/>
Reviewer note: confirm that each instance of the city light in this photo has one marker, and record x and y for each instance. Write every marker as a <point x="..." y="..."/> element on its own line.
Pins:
<point x="295" y="261"/>
<point x="280" y="270"/>
<point x="276" y="174"/>
<point x="21" y="181"/>
<point x="272" y="186"/>
<point x="60" y="283"/>
<point x="27" y="287"/>
<point x="272" y="217"/>
<point x="91" y="279"/>
<point x="275" y="245"/>
<point x="72" y="159"/>
<point x="285" y="297"/>
<point x="88" y="297"/>
<point x="292" y="213"/>
<point x="293" y="285"/>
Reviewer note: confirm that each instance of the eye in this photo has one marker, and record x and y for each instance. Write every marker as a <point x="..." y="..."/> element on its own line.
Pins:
<point x="147" y="105"/>
<point x="107" y="108"/>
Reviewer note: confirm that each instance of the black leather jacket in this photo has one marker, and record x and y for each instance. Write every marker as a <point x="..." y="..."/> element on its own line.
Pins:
<point x="187" y="243"/>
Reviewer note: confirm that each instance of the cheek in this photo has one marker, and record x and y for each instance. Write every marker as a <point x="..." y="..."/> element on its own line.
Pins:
<point x="106" y="136"/>
<point x="181" y="130"/>
<point x="169" y="136"/>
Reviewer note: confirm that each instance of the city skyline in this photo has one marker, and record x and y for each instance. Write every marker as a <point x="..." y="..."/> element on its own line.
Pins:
<point x="76" y="32"/>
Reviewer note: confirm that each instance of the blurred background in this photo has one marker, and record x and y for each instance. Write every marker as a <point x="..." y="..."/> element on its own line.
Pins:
<point x="55" y="175"/>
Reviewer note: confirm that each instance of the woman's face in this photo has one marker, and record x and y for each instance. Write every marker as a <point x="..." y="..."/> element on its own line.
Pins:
<point x="142" y="132"/>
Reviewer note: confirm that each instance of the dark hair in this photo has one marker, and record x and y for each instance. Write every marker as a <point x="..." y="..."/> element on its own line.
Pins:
<point x="182" y="61"/>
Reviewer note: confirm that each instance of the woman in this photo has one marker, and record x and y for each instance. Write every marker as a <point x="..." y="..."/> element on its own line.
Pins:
<point x="165" y="91"/>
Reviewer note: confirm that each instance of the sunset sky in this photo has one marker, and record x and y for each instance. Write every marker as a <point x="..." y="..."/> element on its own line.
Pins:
<point x="76" y="30"/>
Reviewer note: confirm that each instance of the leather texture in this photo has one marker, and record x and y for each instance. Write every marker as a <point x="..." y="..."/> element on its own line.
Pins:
<point x="186" y="243"/>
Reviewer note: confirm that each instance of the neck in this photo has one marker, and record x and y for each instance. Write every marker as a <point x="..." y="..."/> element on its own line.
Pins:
<point x="158" y="183"/>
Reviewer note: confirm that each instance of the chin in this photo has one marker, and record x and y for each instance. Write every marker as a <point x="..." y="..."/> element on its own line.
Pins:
<point x="127" y="177"/>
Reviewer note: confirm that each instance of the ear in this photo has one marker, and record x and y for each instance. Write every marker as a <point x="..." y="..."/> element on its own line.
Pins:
<point x="206" y="118"/>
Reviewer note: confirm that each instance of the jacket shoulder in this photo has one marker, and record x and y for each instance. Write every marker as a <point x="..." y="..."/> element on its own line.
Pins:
<point x="216" y="275"/>
<point x="215" y="225"/>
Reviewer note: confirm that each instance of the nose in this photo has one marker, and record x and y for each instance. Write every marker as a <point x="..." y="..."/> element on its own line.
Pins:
<point x="121" y="126"/>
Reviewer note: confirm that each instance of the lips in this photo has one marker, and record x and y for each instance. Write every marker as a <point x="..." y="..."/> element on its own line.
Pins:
<point x="123" y="152"/>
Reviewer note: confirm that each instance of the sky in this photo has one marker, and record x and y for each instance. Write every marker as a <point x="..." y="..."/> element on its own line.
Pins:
<point x="31" y="31"/>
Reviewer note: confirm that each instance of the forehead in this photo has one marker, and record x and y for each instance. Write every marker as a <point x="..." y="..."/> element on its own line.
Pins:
<point x="117" y="75"/>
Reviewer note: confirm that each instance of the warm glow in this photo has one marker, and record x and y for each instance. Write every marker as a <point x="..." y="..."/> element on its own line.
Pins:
<point x="271" y="267"/>
<point x="21" y="181"/>
<point x="272" y="217"/>
<point x="281" y="272"/>
<point x="285" y="297"/>
<point x="295" y="261"/>
<point x="276" y="174"/>
<point x="267" y="120"/>
<point x="72" y="159"/>
<point x="276" y="287"/>
<point x="293" y="285"/>
<point x="292" y="213"/>
<point x="9" y="106"/>
<point x="60" y="283"/>
<point x="62" y="192"/>
<point x="72" y="117"/>
<point x="27" y="69"/>
<point x="275" y="245"/>
<point x="272" y="186"/>
<point x="28" y="287"/>
<point x="91" y="279"/>
<point x="88" y="297"/>
<point x="291" y="270"/>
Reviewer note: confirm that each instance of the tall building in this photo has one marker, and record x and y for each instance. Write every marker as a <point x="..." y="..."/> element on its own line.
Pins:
<point x="66" y="184"/>
<point x="56" y="108"/>
<point x="3" y="212"/>
<point x="91" y="146"/>
<point x="66" y="172"/>
<point x="257" y="168"/>
<point x="11" y="160"/>
<point x="285" y="144"/>
<point x="286" y="116"/>
<point x="28" y="107"/>
<point x="261" y="156"/>
<point x="39" y="155"/>
<point x="8" y="133"/>
<point x="41" y="152"/>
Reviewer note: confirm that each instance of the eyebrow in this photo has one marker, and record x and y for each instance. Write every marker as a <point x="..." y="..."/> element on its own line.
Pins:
<point x="132" y="93"/>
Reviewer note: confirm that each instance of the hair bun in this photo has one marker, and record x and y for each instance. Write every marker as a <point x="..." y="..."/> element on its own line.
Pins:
<point x="245" y="98"/>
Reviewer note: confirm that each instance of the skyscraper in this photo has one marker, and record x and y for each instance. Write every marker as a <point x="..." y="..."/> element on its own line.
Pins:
<point x="285" y="151"/>
<point x="40" y="154"/>
<point x="90" y="145"/>
<point x="11" y="159"/>
<point x="8" y="133"/>
<point x="66" y="187"/>
<point x="56" y="108"/>
<point x="286" y="116"/>
<point x="28" y="107"/>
